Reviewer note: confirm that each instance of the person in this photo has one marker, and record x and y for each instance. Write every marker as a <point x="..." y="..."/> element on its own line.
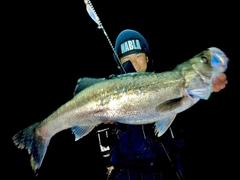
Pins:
<point x="135" y="152"/>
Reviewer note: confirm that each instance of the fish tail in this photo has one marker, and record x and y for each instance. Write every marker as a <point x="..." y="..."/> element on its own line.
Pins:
<point x="34" y="143"/>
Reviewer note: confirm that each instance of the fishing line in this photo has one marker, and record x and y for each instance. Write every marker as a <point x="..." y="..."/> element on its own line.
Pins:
<point x="92" y="13"/>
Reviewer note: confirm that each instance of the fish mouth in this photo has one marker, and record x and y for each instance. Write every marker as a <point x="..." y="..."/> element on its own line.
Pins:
<point x="219" y="59"/>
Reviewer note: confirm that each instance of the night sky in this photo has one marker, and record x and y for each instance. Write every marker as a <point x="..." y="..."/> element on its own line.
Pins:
<point x="48" y="46"/>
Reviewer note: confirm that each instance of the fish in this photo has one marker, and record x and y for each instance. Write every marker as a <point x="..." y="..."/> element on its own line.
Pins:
<point x="133" y="98"/>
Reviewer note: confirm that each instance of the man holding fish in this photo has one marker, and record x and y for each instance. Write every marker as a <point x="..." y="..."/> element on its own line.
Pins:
<point x="137" y="152"/>
<point x="142" y="104"/>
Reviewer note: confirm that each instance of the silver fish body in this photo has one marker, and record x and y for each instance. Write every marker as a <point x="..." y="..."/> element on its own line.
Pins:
<point x="134" y="98"/>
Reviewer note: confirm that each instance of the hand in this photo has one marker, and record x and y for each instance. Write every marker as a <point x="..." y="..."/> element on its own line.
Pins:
<point x="108" y="122"/>
<point x="219" y="82"/>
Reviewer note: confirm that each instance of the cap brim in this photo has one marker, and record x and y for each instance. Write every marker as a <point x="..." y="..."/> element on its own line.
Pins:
<point x="132" y="52"/>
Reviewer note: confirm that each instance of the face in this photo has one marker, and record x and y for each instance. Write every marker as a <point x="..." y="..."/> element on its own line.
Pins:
<point x="138" y="60"/>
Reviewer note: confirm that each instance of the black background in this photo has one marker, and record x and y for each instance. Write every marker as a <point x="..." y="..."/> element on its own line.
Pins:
<point x="49" y="45"/>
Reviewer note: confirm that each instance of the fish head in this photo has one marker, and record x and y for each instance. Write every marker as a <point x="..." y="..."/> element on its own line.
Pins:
<point x="212" y="62"/>
<point x="200" y="71"/>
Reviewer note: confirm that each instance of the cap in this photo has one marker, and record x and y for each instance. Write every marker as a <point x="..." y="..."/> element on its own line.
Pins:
<point x="130" y="41"/>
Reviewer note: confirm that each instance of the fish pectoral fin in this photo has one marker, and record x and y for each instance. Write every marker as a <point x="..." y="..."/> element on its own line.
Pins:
<point x="202" y="93"/>
<point x="169" y="105"/>
<point x="162" y="125"/>
<point x="80" y="131"/>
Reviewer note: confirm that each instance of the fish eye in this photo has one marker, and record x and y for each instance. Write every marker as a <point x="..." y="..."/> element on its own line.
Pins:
<point x="204" y="59"/>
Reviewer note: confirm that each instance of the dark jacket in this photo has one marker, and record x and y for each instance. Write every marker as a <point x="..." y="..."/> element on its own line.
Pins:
<point x="137" y="148"/>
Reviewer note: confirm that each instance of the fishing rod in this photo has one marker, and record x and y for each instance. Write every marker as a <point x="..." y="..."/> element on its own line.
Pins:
<point x="92" y="13"/>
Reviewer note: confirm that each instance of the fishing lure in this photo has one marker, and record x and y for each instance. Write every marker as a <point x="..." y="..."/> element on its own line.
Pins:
<point x="92" y="13"/>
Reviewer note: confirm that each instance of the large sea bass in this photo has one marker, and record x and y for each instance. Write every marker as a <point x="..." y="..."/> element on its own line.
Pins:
<point x="135" y="98"/>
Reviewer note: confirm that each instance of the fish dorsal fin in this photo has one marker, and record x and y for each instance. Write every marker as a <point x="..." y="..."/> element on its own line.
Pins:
<point x="131" y="74"/>
<point x="85" y="82"/>
<point x="169" y="105"/>
<point x="113" y="76"/>
<point x="80" y="131"/>
<point x="162" y="125"/>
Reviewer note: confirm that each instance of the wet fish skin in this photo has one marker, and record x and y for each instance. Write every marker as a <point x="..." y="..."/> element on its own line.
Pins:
<point x="134" y="98"/>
